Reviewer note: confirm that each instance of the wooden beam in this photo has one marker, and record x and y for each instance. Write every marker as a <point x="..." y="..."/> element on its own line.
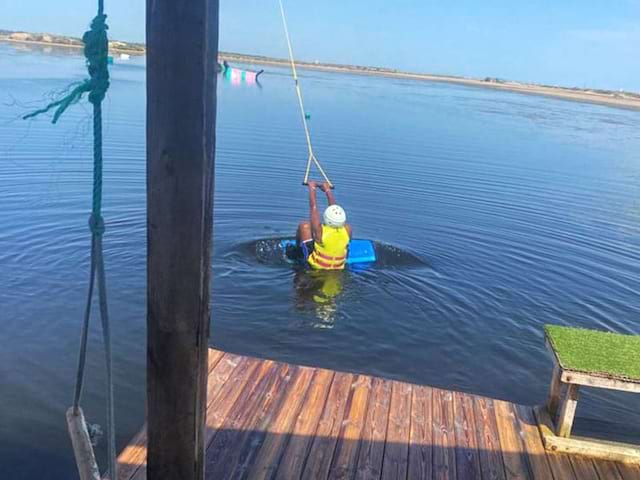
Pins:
<point x="81" y="442"/>
<point x="182" y="48"/>
<point x="606" y="450"/>
<point x="597" y="381"/>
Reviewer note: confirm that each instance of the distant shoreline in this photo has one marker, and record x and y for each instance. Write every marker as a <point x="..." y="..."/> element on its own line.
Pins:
<point x="628" y="100"/>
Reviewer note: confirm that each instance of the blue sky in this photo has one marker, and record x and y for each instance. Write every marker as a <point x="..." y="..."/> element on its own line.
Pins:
<point x="584" y="43"/>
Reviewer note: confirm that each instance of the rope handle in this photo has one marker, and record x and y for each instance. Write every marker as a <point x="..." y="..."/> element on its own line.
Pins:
<point x="312" y="158"/>
<point x="331" y="186"/>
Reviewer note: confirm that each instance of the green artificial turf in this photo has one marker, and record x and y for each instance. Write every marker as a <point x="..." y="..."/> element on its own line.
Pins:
<point x="605" y="353"/>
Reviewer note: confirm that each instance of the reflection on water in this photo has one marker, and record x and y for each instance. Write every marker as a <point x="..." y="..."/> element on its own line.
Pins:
<point x="318" y="291"/>
<point x="40" y="48"/>
<point x="492" y="214"/>
<point x="239" y="76"/>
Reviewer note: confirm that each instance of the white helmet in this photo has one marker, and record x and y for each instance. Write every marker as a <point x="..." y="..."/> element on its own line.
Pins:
<point x="334" y="216"/>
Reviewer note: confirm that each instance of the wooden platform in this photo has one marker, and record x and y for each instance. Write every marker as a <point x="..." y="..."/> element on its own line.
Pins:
<point x="603" y="360"/>
<point x="274" y="420"/>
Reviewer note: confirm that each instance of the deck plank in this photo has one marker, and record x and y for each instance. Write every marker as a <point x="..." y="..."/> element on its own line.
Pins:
<point x="491" y="463"/>
<point x="243" y="377"/>
<point x="233" y="373"/>
<point x="134" y="455"/>
<point x="584" y="468"/>
<point x="369" y="463"/>
<point x="467" y="461"/>
<point x="266" y="462"/>
<point x="444" y="442"/>
<point x="560" y="463"/>
<point x="396" y="453"/>
<point x="324" y="442"/>
<point x="607" y="469"/>
<point x="220" y="374"/>
<point x="262" y="424"/>
<point x="629" y="471"/>
<point x="133" y="459"/>
<point x="228" y="441"/>
<point x="530" y="434"/>
<point x="346" y="451"/>
<point x="421" y="435"/>
<point x="561" y="466"/>
<point x="297" y="449"/>
<point x="513" y="451"/>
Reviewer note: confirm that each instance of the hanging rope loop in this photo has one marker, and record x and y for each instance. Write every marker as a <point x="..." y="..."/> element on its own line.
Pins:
<point x="96" y="51"/>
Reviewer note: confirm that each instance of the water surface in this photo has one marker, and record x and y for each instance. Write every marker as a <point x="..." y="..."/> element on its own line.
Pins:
<point x="514" y="211"/>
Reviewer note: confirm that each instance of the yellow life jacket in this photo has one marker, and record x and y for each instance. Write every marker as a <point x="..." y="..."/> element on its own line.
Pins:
<point x="331" y="253"/>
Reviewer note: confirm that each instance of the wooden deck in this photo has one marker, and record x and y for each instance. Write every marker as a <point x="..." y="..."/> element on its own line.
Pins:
<point x="273" y="420"/>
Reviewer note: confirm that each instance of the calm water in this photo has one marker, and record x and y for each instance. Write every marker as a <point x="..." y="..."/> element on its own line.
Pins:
<point x="508" y="211"/>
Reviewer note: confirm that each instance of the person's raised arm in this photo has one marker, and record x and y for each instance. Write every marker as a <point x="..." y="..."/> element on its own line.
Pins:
<point x="314" y="215"/>
<point x="326" y="188"/>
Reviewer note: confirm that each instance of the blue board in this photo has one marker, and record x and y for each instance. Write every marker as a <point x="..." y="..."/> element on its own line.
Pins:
<point x="359" y="251"/>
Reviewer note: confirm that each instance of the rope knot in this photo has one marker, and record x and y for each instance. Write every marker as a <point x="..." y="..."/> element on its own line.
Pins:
<point x="96" y="51"/>
<point x="96" y="224"/>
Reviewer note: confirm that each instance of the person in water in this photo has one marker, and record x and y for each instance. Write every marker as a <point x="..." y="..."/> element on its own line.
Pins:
<point x="324" y="244"/>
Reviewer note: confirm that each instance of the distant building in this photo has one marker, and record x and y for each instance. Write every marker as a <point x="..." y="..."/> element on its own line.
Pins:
<point x="21" y="36"/>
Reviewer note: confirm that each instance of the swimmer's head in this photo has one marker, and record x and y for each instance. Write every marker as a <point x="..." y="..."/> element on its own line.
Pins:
<point x="334" y="216"/>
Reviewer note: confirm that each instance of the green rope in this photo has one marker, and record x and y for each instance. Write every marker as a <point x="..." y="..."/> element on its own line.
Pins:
<point x="63" y="103"/>
<point x="96" y="51"/>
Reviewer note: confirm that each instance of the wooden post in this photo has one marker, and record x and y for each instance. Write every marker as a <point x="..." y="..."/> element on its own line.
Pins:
<point x="568" y="411"/>
<point x="554" y="391"/>
<point x="182" y="53"/>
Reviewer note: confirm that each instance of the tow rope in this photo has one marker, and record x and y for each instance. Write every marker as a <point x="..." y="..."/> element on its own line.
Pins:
<point x="312" y="158"/>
